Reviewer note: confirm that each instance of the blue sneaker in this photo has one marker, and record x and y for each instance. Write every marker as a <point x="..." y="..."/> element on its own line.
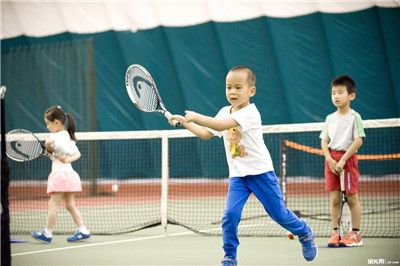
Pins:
<point x="228" y="261"/>
<point x="39" y="236"/>
<point x="309" y="248"/>
<point x="78" y="236"/>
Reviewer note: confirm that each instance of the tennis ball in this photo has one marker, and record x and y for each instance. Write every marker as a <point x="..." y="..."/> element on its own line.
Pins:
<point x="114" y="188"/>
<point x="290" y="235"/>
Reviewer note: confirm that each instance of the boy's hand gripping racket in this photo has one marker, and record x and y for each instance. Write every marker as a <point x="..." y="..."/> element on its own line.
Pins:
<point x="22" y="145"/>
<point x="345" y="213"/>
<point x="143" y="92"/>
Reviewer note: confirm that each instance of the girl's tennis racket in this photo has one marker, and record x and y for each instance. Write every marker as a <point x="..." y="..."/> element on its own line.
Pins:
<point x="345" y="213"/>
<point x="143" y="92"/>
<point x="22" y="145"/>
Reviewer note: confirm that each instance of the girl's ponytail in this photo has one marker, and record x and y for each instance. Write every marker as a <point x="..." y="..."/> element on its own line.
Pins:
<point x="71" y="126"/>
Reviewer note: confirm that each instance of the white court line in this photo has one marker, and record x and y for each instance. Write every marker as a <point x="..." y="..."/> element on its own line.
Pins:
<point x="101" y="244"/>
<point x="118" y="241"/>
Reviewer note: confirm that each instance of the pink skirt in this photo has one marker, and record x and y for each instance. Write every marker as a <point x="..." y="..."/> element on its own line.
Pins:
<point x="63" y="181"/>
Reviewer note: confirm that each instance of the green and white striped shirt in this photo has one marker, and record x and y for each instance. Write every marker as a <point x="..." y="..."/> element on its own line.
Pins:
<point x="341" y="130"/>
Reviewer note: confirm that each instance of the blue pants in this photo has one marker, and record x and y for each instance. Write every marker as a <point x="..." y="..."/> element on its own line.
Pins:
<point x="265" y="187"/>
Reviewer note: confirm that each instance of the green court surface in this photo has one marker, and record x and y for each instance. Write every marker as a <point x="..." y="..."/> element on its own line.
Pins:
<point x="179" y="246"/>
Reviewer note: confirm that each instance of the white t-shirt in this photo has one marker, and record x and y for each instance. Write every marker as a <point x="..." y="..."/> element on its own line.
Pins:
<point x="62" y="145"/>
<point x="341" y="130"/>
<point x="246" y="152"/>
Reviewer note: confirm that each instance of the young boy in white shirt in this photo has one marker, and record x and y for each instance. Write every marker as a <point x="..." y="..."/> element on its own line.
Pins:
<point x="250" y="165"/>
<point x="341" y="137"/>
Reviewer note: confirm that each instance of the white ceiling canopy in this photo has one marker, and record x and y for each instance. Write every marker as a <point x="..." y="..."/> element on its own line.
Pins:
<point x="43" y="18"/>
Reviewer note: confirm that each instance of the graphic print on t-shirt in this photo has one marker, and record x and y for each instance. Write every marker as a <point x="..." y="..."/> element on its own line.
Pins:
<point x="234" y="137"/>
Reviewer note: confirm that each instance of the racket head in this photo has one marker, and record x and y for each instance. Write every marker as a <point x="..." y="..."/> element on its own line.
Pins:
<point x="142" y="89"/>
<point x="22" y="145"/>
<point x="345" y="212"/>
<point x="345" y="219"/>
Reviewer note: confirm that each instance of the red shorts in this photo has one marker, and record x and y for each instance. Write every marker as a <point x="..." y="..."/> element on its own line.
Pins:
<point x="351" y="173"/>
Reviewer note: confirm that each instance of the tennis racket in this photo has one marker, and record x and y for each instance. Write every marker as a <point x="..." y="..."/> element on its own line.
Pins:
<point x="143" y="92"/>
<point x="22" y="145"/>
<point x="345" y="213"/>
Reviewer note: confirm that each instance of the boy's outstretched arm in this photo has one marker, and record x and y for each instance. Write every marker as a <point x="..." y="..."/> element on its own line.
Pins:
<point x="210" y="122"/>
<point x="199" y="131"/>
<point x="196" y="122"/>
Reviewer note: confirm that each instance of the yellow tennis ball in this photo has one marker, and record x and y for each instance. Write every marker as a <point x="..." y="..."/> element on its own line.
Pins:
<point x="290" y="235"/>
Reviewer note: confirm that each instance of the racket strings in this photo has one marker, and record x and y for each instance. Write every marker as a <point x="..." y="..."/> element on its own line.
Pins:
<point x="345" y="219"/>
<point x="23" y="147"/>
<point x="142" y="91"/>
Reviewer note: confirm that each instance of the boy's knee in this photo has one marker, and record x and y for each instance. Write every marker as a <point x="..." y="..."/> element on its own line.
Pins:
<point x="279" y="218"/>
<point x="336" y="203"/>
<point x="353" y="200"/>
<point x="335" y="199"/>
<point x="231" y="216"/>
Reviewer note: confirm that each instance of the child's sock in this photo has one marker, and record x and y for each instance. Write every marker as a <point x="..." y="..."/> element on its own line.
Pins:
<point x="84" y="230"/>
<point x="48" y="232"/>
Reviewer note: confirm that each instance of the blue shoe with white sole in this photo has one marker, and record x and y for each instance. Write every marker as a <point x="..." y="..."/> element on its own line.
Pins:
<point x="228" y="261"/>
<point x="309" y="248"/>
<point x="39" y="236"/>
<point x="78" y="236"/>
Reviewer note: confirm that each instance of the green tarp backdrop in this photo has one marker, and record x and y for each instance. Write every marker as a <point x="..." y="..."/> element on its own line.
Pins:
<point x="294" y="59"/>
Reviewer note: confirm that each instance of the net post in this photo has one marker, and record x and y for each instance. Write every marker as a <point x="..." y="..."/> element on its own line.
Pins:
<point x="5" y="182"/>
<point x="164" y="181"/>
<point x="282" y="179"/>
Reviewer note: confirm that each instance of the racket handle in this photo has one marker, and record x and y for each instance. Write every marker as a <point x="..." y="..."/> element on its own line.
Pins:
<point x="342" y="181"/>
<point x="175" y="123"/>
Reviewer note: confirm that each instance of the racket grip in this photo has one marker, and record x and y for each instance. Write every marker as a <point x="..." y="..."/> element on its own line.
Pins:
<point x="342" y="181"/>
<point x="175" y="123"/>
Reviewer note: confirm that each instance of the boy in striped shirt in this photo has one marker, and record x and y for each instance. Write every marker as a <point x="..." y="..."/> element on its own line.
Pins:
<point x="341" y="137"/>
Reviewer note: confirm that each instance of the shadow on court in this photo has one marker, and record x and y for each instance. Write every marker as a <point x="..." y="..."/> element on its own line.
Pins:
<point x="181" y="247"/>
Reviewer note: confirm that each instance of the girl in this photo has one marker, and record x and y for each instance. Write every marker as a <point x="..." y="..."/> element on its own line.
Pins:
<point x="63" y="181"/>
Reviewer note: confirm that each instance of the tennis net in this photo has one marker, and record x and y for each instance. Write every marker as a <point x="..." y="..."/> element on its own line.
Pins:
<point x="133" y="180"/>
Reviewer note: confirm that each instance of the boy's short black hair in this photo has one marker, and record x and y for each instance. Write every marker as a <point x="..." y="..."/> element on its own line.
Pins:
<point x="345" y="81"/>
<point x="251" y="76"/>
